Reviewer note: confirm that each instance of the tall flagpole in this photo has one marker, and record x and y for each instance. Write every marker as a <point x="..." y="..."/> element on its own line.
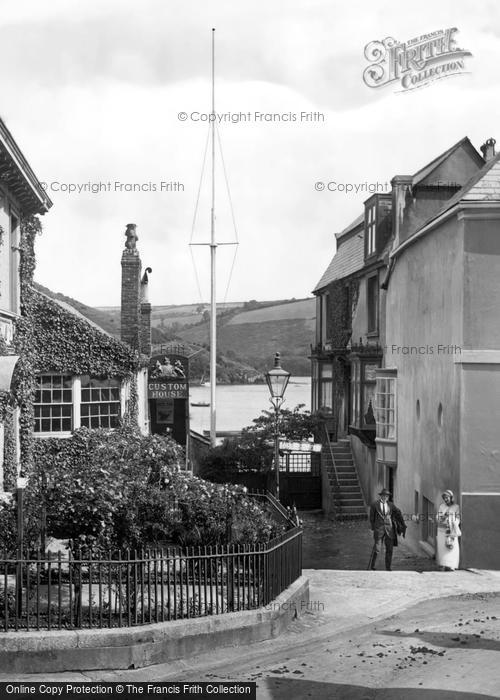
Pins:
<point x="213" y="248"/>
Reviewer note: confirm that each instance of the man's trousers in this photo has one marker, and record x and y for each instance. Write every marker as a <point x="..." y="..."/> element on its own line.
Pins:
<point x="388" y="542"/>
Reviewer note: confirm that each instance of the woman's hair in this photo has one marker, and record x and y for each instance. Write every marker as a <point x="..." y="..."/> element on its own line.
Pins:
<point x="448" y="493"/>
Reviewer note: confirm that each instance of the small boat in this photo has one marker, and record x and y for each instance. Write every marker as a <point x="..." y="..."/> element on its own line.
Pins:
<point x="204" y="404"/>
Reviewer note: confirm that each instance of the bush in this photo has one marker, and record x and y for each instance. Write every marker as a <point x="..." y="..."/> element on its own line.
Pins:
<point x="192" y="512"/>
<point x="125" y="490"/>
<point x="8" y="528"/>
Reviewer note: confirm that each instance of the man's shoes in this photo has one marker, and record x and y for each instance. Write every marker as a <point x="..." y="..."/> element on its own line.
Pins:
<point x="388" y="568"/>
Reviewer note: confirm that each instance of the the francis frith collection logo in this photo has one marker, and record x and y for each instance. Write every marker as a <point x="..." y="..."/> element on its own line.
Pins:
<point x="414" y="63"/>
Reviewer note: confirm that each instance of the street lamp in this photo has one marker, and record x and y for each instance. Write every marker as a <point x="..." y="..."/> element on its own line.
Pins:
<point x="277" y="381"/>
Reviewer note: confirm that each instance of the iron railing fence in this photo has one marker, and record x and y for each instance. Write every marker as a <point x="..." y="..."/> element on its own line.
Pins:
<point x="133" y="588"/>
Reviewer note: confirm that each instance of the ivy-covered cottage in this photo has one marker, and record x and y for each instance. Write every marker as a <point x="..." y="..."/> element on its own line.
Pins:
<point x="84" y="377"/>
<point x="62" y="371"/>
<point x="71" y="372"/>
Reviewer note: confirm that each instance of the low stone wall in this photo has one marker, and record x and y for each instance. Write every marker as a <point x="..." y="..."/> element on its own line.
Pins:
<point x="136" y="647"/>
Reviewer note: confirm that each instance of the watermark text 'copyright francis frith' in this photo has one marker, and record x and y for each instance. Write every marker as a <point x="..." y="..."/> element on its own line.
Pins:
<point x="102" y="187"/>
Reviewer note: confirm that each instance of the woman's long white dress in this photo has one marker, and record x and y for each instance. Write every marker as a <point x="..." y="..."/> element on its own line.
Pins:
<point x="448" y="519"/>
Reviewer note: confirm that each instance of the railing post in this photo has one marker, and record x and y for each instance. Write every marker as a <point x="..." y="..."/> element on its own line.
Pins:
<point x="230" y="577"/>
<point x="20" y="546"/>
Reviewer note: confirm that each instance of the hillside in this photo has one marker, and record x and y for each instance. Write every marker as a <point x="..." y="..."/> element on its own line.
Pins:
<point x="248" y="333"/>
<point x="254" y="336"/>
<point x="108" y="322"/>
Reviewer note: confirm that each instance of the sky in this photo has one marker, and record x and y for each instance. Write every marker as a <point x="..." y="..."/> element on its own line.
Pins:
<point x="93" y="93"/>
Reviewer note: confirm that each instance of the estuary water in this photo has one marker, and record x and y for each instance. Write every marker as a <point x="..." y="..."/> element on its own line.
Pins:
<point x="238" y="404"/>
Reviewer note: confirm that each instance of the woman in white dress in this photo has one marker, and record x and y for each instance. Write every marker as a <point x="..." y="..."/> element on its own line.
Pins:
<point x="448" y="532"/>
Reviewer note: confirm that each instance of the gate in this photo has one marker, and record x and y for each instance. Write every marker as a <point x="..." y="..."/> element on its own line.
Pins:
<point x="300" y="480"/>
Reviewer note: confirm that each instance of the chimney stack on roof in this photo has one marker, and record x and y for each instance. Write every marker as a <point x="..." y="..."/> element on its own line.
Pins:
<point x="131" y="316"/>
<point x="488" y="149"/>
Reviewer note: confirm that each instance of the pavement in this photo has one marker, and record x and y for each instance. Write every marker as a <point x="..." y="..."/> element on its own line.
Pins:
<point x="328" y="544"/>
<point x="417" y="634"/>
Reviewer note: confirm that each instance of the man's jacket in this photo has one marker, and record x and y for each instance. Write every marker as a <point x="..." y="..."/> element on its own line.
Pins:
<point x="391" y="524"/>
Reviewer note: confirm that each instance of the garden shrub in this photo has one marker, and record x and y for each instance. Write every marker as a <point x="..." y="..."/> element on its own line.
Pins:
<point x="122" y="489"/>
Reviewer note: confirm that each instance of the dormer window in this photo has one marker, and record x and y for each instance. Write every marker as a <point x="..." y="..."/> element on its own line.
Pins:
<point x="371" y="228"/>
<point x="378" y="223"/>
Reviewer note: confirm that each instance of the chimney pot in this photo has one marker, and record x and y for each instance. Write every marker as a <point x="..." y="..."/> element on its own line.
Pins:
<point x="488" y="149"/>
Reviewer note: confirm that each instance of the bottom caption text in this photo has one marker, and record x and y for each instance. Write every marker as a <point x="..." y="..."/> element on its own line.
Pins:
<point x="128" y="690"/>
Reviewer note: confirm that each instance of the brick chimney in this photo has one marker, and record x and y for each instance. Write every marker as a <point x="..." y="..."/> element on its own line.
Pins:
<point x="131" y="291"/>
<point x="145" y="314"/>
<point x="488" y="149"/>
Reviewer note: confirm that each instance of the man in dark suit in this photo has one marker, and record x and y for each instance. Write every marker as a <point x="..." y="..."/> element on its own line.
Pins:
<point x="386" y="522"/>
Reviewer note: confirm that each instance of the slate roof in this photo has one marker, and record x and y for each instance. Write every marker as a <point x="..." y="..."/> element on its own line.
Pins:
<point x="354" y="224"/>
<point x="350" y="255"/>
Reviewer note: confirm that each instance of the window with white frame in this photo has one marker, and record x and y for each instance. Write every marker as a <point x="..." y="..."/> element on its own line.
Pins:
<point x="53" y="403"/>
<point x="100" y="402"/>
<point x="363" y="382"/>
<point x="64" y="402"/>
<point x="371" y="229"/>
<point x="325" y="397"/>
<point x="385" y="405"/>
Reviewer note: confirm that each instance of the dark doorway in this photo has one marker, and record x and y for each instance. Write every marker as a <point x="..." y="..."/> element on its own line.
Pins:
<point x="389" y="478"/>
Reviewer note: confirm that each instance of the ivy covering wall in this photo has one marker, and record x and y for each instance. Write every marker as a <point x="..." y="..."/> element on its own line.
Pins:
<point x="342" y="301"/>
<point x="50" y="338"/>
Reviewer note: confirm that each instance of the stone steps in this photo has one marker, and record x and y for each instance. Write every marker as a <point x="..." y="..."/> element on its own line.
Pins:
<point x="344" y="482"/>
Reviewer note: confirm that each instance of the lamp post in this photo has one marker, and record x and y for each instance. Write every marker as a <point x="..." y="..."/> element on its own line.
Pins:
<point x="277" y="381"/>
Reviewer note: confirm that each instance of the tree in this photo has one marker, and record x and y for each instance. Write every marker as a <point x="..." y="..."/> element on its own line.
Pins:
<point x="253" y="451"/>
<point x="294" y="424"/>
